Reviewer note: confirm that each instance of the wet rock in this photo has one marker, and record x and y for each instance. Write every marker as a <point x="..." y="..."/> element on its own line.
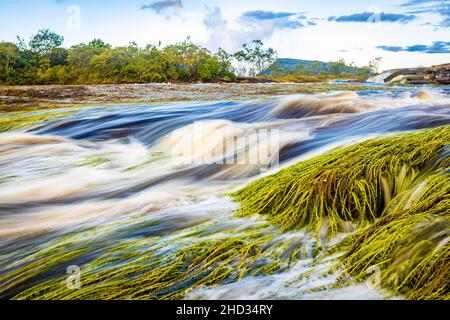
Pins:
<point x="439" y="74"/>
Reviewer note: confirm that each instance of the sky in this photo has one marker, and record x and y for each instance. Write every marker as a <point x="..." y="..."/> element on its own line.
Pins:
<point x="405" y="33"/>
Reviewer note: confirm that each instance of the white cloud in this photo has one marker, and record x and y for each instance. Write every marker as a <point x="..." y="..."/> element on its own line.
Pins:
<point x="221" y="35"/>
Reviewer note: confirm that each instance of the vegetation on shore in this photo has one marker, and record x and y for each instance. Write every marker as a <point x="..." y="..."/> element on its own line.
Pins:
<point x="394" y="190"/>
<point x="43" y="60"/>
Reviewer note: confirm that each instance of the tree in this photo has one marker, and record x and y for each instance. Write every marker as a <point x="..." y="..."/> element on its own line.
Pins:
<point x="337" y="67"/>
<point x="21" y="43"/>
<point x="256" y="57"/>
<point x="9" y="56"/>
<point x="184" y="59"/>
<point x="58" y="57"/>
<point x="98" y="43"/>
<point x="45" y="41"/>
<point x="301" y="69"/>
<point x="374" y="64"/>
<point x="363" y="71"/>
<point x="316" y="67"/>
<point x="210" y="69"/>
<point x="224" y="58"/>
<point x="226" y="64"/>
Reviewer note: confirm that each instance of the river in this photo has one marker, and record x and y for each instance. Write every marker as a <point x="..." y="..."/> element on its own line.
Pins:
<point x="114" y="174"/>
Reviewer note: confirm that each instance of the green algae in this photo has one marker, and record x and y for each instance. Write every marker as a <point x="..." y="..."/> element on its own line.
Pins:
<point x="13" y="121"/>
<point x="395" y="189"/>
<point x="151" y="267"/>
<point x="410" y="245"/>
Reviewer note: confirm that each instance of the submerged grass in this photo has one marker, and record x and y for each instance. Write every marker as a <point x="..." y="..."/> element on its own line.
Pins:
<point x="397" y="189"/>
<point x="146" y="269"/>
<point x="154" y="275"/>
<point x="11" y="121"/>
<point x="410" y="245"/>
<point x="150" y="267"/>
<point x="354" y="184"/>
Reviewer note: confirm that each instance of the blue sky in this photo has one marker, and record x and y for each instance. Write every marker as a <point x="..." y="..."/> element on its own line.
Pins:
<point x="404" y="32"/>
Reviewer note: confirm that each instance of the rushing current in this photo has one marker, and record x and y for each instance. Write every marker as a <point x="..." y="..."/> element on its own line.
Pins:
<point x="141" y="170"/>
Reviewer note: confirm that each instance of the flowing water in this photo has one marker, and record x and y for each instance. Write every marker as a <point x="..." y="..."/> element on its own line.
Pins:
<point x="135" y="172"/>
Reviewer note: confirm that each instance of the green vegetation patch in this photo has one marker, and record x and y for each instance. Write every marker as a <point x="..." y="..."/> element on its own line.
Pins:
<point x="150" y="269"/>
<point x="395" y="188"/>
<point x="409" y="246"/>
<point x="354" y="184"/>
<point x="11" y="121"/>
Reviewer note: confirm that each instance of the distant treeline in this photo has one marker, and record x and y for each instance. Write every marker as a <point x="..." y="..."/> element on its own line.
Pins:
<point x="295" y="67"/>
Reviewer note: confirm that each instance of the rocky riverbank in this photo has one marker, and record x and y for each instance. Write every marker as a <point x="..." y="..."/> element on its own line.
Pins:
<point x="436" y="75"/>
<point x="29" y="98"/>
